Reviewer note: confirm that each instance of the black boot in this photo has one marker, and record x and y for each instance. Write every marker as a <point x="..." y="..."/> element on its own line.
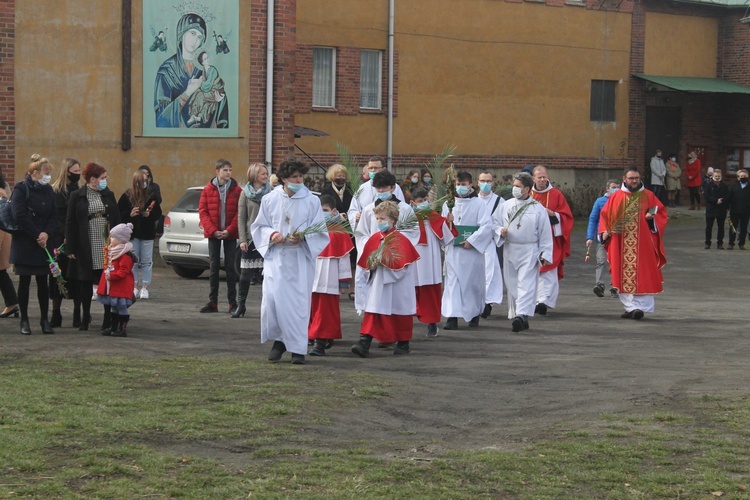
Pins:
<point x="121" y="330"/>
<point x="277" y="350"/>
<point x="114" y="323"/>
<point x="474" y="321"/>
<point x="362" y="348"/>
<point x="319" y="348"/>
<point x="451" y="324"/>
<point x="107" y="320"/>
<point x="487" y="311"/>
<point x="56" y="314"/>
<point x="244" y="287"/>
<point x="402" y="347"/>
<point x="252" y="279"/>
<point x="76" y="313"/>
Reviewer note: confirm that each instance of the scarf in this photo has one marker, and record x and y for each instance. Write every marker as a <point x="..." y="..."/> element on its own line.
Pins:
<point x="223" y="205"/>
<point x="117" y="251"/>
<point x="255" y="195"/>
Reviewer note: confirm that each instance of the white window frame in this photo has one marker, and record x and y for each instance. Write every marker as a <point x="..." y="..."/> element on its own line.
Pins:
<point x="332" y="104"/>
<point x="379" y="91"/>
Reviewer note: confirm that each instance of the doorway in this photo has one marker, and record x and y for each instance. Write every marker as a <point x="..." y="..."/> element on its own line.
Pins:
<point x="663" y="126"/>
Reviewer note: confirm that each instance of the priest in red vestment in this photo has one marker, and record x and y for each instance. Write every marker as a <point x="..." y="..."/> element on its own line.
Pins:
<point x="561" y="221"/>
<point x="631" y="227"/>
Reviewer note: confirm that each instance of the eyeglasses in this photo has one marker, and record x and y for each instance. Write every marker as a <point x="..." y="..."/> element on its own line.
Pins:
<point x="632" y="178"/>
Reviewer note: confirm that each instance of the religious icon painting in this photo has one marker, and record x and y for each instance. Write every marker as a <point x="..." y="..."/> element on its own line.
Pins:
<point x="190" y="75"/>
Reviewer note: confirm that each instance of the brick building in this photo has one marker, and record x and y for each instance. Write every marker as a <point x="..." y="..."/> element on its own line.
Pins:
<point x="583" y="86"/>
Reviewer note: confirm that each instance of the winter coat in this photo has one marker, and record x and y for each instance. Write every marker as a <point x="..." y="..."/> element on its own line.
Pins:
<point x="33" y="207"/>
<point x="209" y="209"/>
<point x="61" y="205"/>
<point x="248" y="211"/>
<point x="121" y="279"/>
<point x="5" y="239"/>
<point x="342" y="205"/>
<point x="693" y="173"/>
<point x="77" y="231"/>
<point x="144" y="228"/>
<point x="712" y="193"/>
<point x="738" y="200"/>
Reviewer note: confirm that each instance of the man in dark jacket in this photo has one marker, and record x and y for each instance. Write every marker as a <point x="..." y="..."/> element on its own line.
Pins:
<point x="738" y="202"/>
<point x="218" y="214"/>
<point x="716" y="193"/>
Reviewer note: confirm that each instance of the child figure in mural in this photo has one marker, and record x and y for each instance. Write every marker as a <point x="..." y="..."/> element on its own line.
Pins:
<point x="160" y="42"/>
<point x="221" y="44"/>
<point x="181" y="76"/>
<point x="206" y="100"/>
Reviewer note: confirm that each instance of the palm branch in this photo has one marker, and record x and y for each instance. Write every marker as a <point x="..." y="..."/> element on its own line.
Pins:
<point x="339" y="226"/>
<point x="519" y="213"/>
<point x="387" y="254"/>
<point x="353" y="171"/>
<point x="615" y="221"/>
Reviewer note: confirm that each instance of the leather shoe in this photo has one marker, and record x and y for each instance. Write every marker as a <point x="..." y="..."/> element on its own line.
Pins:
<point x="487" y="311"/>
<point x="298" y="359"/>
<point x="517" y="324"/>
<point x="474" y="321"/>
<point x="25" y="327"/>
<point x="451" y="324"/>
<point x="209" y="308"/>
<point x="627" y="315"/>
<point x="10" y="311"/>
<point x="541" y="308"/>
<point x="276" y="351"/>
<point x="46" y="327"/>
<point x="637" y="314"/>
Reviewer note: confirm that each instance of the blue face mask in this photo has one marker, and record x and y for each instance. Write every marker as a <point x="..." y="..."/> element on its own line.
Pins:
<point x="613" y="190"/>
<point x="384" y="226"/>
<point x="425" y="205"/>
<point x="427" y="180"/>
<point x="383" y="196"/>
<point x="327" y="216"/>
<point x="102" y="184"/>
<point x="485" y="187"/>
<point x="371" y="174"/>
<point x="294" y="187"/>
<point x="462" y="190"/>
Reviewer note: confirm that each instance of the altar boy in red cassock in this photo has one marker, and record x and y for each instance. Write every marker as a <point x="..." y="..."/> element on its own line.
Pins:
<point x="631" y="227"/>
<point x="388" y="260"/>
<point x="331" y="267"/>
<point x="434" y="234"/>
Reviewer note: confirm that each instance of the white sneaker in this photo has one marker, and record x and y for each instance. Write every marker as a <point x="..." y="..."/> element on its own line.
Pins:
<point x="136" y="293"/>
<point x="144" y="293"/>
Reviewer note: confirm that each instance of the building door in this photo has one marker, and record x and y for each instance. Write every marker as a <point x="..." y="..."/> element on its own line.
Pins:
<point x="663" y="127"/>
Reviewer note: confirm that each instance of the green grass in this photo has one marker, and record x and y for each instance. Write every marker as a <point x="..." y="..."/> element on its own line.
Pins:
<point x="233" y="428"/>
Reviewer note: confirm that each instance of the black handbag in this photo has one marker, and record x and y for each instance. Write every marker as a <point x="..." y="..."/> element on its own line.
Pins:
<point x="7" y="221"/>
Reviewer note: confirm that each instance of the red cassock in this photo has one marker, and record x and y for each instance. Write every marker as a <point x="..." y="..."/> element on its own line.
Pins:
<point x="398" y="253"/>
<point x="429" y="296"/>
<point x="554" y="200"/>
<point x="635" y="253"/>
<point x="325" y="315"/>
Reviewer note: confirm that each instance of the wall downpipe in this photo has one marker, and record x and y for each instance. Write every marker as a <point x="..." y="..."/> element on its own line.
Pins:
<point x="269" y="82"/>
<point x="389" y="138"/>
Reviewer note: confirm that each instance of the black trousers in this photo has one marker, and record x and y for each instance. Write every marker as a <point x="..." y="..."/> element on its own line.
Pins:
<point x="42" y="294"/>
<point x="695" y="195"/>
<point x="739" y="222"/>
<point x="720" y="230"/>
<point x="7" y="289"/>
<point x="214" y="257"/>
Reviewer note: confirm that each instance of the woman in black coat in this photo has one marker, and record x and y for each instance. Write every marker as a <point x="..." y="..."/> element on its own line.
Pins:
<point x="68" y="175"/>
<point x="92" y="211"/>
<point x="33" y="207"/>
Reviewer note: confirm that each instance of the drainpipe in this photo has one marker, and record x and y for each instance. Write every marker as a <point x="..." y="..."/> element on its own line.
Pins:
<point x="269" y="83"/>
<point x="389" y="138"/>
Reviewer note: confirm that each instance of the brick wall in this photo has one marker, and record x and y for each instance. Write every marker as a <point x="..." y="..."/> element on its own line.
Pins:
<point x="734" y="49"/>
<point x="7" y="87"/>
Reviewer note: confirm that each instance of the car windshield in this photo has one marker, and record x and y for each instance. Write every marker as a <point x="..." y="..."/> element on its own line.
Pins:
<point x="188" y="202"/>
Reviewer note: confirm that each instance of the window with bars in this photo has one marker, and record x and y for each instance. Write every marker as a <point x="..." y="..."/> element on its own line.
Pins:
<point x="603" y="100"/>
<point x="369" y="79"/>
<point x="324" y="77"/>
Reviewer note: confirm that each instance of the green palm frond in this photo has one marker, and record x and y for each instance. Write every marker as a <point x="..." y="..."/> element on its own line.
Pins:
<point x="353" y="170"/>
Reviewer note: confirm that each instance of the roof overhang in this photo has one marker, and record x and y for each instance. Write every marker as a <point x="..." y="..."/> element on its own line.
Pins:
<point x="695" y="85"/>
<point x="718" y="3"/>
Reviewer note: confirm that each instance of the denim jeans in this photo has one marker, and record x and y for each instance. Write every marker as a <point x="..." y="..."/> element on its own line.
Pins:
<point x="144" y="250"/>
<point x="214" y="258"/>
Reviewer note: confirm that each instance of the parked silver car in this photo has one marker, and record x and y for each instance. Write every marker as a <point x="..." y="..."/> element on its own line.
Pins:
<point x="183" y="245"/>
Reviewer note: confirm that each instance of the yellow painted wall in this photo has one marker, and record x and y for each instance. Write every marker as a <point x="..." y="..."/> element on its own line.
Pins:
<point x="681" y="45"/>
<point x="68" y="98"/>
<point x="491" y="77"/>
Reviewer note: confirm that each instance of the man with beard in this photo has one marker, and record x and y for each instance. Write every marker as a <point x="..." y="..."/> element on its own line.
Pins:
<point x="631" y="227"/>
<point x="561" y="221"/>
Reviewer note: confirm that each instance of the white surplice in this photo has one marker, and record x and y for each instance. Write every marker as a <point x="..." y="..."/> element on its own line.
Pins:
<point x="364" y="196"/>
<point x="430" y="263"/>
<point x="529" y="239"/>
<point x="493" y="291"/>
<point x="288" y="270"/>
<point x="367" y="227"/>
<point x="393" y="291"/>
<point x="463" y="291"/>
<point x="329" y="271"/>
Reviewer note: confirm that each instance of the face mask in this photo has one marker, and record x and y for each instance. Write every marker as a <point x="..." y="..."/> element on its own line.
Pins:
<point x="517" y="192"/>
<point x="612" y="190"/>
<point x="145" y="185"/>
<point x="717" y="179"/>
<point x="384" y="226"/>
<point x="294" y="187"/>
<point x="339" y="182"/>
<point x="485" y="187"/>
<point x="414" y="180"/>
<point x="102" y="184"/>
<point x="743" y="180"/>
<point x="673" y="158"/>
<point x="383" y="196"/>
<point x="371" y="174"/>
<point x="427" y="180"/>
<point x="462" y="190"/>
<point x="73" y="178"/>
<point x="327" y="216"/>
<point x="425" y="205"/>
<point x="45" y="180"/>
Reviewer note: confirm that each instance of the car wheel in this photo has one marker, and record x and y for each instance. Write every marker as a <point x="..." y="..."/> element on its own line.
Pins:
<point x="186" y="272"/>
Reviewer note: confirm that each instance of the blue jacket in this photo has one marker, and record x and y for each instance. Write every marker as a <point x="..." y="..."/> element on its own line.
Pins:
<point x="593" y="228"/>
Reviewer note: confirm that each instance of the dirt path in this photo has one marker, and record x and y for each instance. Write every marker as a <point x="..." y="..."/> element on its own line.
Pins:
<point x="487" y="386"/>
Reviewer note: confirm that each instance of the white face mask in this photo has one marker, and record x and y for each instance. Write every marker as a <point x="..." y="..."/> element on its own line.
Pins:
<point x="45" y="180"/>
<point x="517" y="192"/>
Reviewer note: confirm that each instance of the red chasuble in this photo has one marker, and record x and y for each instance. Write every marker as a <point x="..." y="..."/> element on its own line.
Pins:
<point x="554" y="200"/>
<point x="396" y="254"/>
<point x="635" y="253"/>
<point x="340" y="245"/>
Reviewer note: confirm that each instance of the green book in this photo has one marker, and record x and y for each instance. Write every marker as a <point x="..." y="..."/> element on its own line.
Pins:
<point x="463" y="233"/>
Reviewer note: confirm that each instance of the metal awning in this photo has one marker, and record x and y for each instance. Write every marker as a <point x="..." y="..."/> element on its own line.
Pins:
<point x="696" y="85"/>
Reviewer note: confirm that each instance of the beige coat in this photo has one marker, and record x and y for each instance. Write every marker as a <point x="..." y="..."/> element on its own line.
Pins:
<point x="674" y="172"/>
<point x="4" y="244"/>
